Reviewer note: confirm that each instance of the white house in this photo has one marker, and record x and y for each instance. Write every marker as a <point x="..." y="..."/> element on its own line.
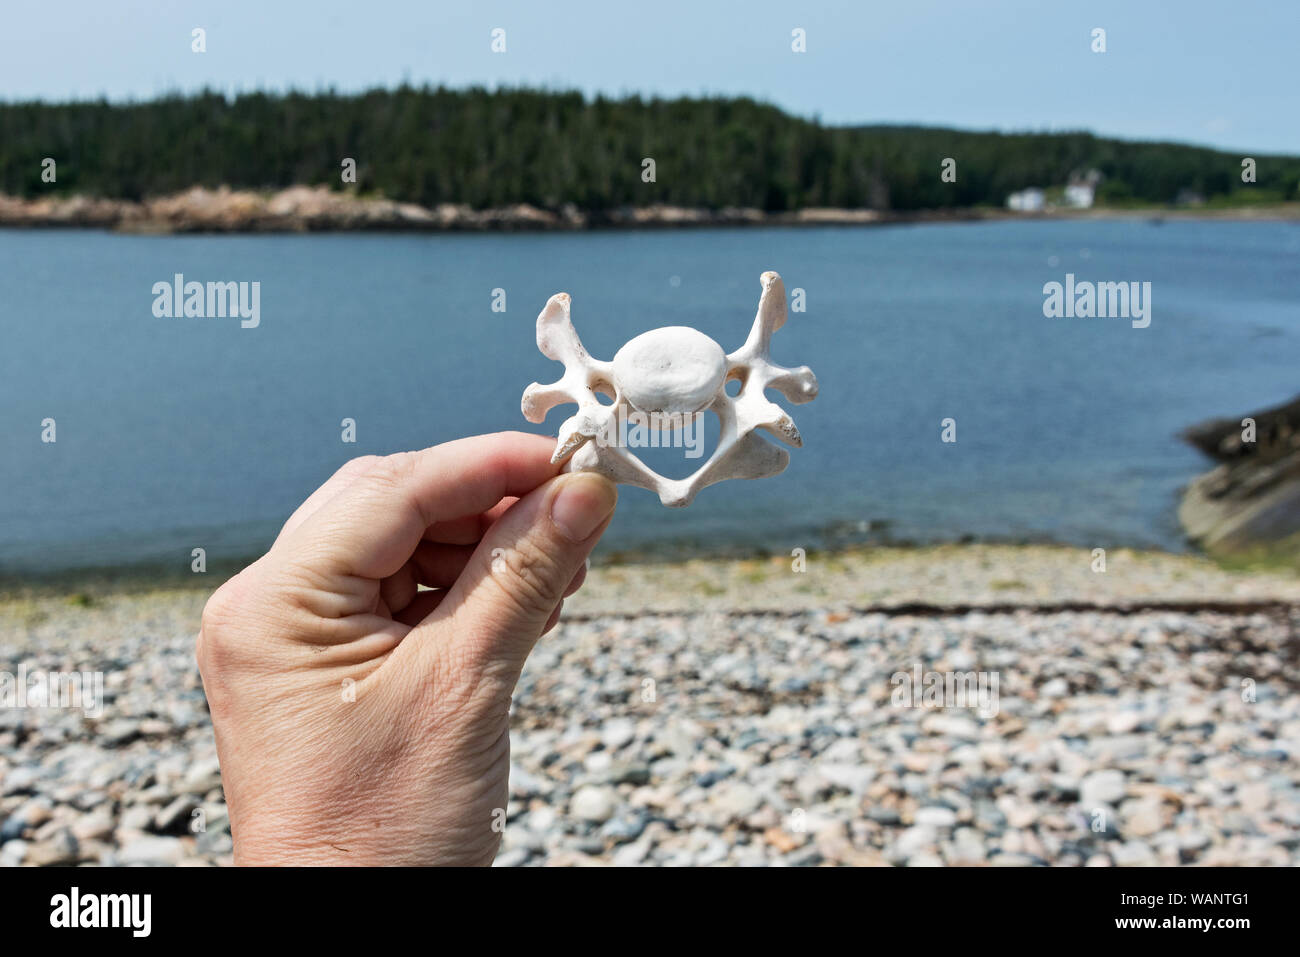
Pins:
<point x="1082" y="189"/>
<point x="1079" y="195"/>
<point x="1029" y="200"/>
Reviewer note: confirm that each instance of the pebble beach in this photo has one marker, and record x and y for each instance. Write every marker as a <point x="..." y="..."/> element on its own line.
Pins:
<point x="764" y="712"/>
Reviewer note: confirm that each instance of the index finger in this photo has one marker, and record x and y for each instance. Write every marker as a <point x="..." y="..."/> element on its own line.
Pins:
<point x="372" y="527"/>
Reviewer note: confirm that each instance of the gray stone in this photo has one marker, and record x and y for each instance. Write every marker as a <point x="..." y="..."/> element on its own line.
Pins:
<point x="138" y="818"/>
<point x="625" y="773"/>
<point x="630" y="855"/>
<point x="625" y="827"/>
<point x="1102" y="787"/>
<point x="1056" y="688"/>
<point x="214" y="843"/>
<point x="1133" y="854"/>
<point x="60" y="849"/>
<point x="736" y="799"/>
<point x="175" y="817"/>
<point x="936" y="817"/>
<point x="851" y="777"/>
<point x="595" y="804"/>
<point x="203" y="776"/>
<point x="13" y="853"/>
<point x="152" y="850"/>
<point x="617" y="733"/>
<point x="1141" y="818"/>
<point x="95" y="826"/>
<point x="19" y="780"/>
<point x="913" y="841"/>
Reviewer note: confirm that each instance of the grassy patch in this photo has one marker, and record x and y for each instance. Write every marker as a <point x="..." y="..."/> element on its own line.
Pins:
<point x="1280" y="557"/>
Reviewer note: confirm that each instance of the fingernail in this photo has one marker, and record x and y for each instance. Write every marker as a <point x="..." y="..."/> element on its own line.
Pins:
<point x="582" y="503"/>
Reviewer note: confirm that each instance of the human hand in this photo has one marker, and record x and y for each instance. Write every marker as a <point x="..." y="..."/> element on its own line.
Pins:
<point x="362" y="721"/>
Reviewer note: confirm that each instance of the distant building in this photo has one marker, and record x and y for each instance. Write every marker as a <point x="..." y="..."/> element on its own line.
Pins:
<point x="1079" y="195"/>
<point x="1029" y="200"/>
<point x="1081" y="191"/>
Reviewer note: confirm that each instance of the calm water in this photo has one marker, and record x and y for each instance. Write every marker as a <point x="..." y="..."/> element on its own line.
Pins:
<point x="185" y="432"/>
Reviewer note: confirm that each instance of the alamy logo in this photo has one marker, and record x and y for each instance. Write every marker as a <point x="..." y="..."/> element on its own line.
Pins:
<point x="215" y="300"/>
<point x="1098" y="300"/>
<point x="653" y="430"/>
<point x="133" y="911"/>
<point x="53" y="689"/>
<point x="974" y="690"/>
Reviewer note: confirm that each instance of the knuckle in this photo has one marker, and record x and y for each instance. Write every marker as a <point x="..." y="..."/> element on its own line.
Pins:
<point x="219" y="609"/>
<point x="393" y="469"/>
<point x="219" y="626"/>
<point x="389" y="476"/>
<point x="360" y="465"/>
<point x="469" y="687"/>
<point x="528" y="575"/>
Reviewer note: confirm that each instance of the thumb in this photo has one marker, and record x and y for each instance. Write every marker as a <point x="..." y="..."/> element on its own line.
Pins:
<point x="518" y="574"/>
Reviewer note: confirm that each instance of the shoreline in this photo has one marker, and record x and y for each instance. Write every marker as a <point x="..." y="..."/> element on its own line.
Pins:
<point x="933" y="579"/>
<point x="740" y="712"/>
<point x="304" y="209"/>
<point x="149" y="574"/>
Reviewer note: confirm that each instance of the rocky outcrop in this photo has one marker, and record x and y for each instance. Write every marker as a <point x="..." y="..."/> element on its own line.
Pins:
<point x="67" y="211"/>
<point x="1251" y="500"/>
<point x="318" y="208"/>
<point x="321" y="209"/>
<point x="296" y="209"/>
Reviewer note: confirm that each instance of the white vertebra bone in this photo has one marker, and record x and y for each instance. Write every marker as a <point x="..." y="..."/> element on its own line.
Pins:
<point x="667" y="375"/>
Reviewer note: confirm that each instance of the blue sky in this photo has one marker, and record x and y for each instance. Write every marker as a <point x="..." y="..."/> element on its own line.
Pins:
<point x="1223" y="74"/>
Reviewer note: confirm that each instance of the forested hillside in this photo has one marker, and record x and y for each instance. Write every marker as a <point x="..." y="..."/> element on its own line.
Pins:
<point x="548" y="149"/>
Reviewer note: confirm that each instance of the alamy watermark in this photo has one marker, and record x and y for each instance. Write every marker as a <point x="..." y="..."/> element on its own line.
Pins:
<point x="53" y="689"/>
<point x="125" y="911"/>
<point x="214" y="300"/>
<point x="1098" y="300"/>
<point x="632" y="429"/>
<point x="977" y="690"/>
